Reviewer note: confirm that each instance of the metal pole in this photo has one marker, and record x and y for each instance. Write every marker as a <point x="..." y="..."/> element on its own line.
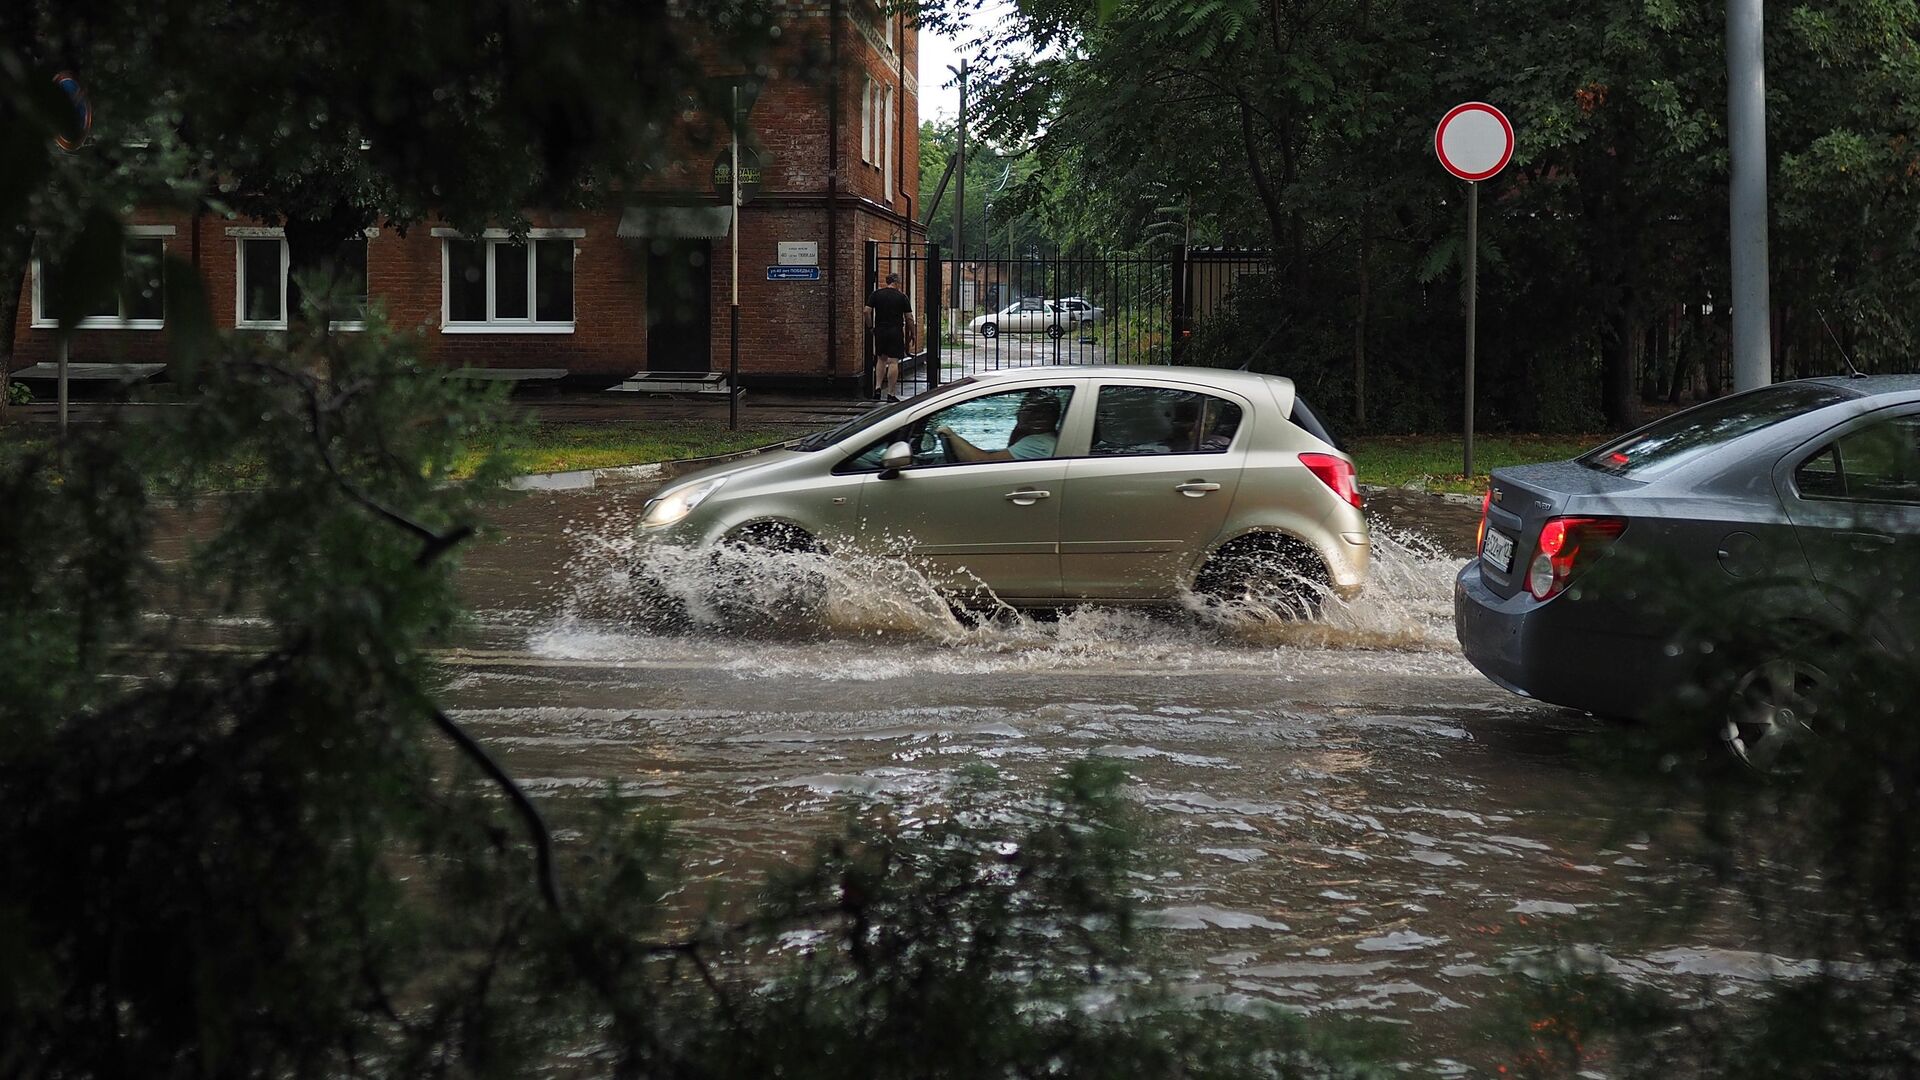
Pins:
<point x="62" y="394"/>
<point x="960" y="190"/>
<point x="733" y="333"/>
<point x="1747" y="148"/>
<point x="1473" y="295"/>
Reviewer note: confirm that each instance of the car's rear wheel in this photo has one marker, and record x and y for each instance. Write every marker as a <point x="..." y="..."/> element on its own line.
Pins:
<point x="1772" y="709"/>
<point x="989" y="330"/>
<point x="1270" y="572"/>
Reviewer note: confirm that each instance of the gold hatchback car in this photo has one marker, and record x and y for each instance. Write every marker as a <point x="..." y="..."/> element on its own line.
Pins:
<point x="1058" y="484"/>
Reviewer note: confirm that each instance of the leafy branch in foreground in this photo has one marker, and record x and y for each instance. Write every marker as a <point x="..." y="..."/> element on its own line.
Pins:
<point x="240" y="837"/>
<point x="1808" y="855"/>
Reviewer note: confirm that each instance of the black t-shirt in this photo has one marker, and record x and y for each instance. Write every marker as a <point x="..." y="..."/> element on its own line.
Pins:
<point x="890" y="308"/>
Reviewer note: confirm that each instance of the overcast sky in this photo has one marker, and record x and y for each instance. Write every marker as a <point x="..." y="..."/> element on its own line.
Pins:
<point x="938" y="101"/>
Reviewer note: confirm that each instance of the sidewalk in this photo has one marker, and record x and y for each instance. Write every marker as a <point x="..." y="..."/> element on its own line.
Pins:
<point x="757" y="409"/>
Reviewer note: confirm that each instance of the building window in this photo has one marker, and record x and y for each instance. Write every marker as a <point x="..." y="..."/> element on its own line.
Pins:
<point x="886" y="151"/>
<point x="139" y="303"/>
<point x="503" y="285"/>
<point x="264" y="292"/>
<point x="866" y="121"/>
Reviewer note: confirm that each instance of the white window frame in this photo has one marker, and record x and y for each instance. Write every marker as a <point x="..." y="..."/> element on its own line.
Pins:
<point x="866" y="121"/>
<point x="240" y="234"/>
<point x="493" y="238"/>
<point x="886" y="151"/>
<point x="41" y="321"/>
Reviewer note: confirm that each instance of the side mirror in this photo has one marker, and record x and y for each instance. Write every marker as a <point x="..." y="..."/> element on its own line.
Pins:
<point x="897" y="457"/>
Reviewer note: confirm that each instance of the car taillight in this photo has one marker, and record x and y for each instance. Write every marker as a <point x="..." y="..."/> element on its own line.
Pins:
<point x="1480" y="538"/>
<point x="1336" y="473"/>
<point x="1568" y="545"/>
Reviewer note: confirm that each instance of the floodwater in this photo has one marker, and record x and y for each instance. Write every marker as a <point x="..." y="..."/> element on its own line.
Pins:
<point x="1349" y="821"/>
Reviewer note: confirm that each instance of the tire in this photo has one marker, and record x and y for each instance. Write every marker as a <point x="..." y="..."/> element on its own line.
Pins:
<point x="791" y="601"/>
<point x="989" y="330"/>
<point x="1054" y="330"/>
<point x="1773" y="704"/>
<point x="1271" y="571"/>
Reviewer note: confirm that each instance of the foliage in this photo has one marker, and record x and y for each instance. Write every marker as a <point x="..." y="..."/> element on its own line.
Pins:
<point x="19" y="393"/>
<point x="1814" y="859"/>
<point x="1306" y="129"/>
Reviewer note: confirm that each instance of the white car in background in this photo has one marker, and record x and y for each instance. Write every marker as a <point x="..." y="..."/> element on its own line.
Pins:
<point x="1032" y="315"/>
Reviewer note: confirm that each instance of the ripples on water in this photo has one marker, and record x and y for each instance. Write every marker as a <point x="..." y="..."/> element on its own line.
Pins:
<point x="771" y="613"/>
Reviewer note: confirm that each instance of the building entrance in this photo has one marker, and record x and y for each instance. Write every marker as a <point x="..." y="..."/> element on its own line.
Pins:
<point x="679" y="305"/>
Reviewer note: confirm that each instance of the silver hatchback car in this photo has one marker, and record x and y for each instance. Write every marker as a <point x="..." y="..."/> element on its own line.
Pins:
<point x="1044" y="485"/>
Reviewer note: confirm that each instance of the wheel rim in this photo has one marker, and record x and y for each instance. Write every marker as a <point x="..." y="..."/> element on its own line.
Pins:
<point x="989" y="330"/>
<point x="1771" y="708"/>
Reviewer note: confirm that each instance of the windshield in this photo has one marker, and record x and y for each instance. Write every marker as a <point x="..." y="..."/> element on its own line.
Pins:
<point x="823" y="439"/>
<point x="1667" y="444"/>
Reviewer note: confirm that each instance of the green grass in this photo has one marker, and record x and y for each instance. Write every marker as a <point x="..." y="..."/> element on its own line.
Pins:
<point x="1432" y="462"/>
<point x="567" y="447"/>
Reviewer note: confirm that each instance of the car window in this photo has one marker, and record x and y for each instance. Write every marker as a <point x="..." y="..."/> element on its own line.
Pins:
<point x="1135" y="420"/>
<point x="1685" y="436"/>
<point x="1025" y="421"/>
<point x="822" y="440"/>
<point x="1029" y="305"/>
<point x="1878" y="463"/>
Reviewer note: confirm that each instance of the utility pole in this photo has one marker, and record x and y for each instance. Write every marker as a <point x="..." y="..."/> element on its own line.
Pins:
<point x="733" y="335"/>
<point x="960" y="192"/>
<point x="1747" y="150"/>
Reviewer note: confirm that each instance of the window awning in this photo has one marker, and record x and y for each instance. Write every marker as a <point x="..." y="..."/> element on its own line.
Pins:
<point x="676" y="222"/>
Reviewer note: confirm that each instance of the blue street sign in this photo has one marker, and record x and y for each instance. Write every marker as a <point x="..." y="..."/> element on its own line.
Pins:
<point x="793" y="273"/>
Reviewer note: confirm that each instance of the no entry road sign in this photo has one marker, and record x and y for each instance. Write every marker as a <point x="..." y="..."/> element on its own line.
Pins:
<point x="1474" y="140"/>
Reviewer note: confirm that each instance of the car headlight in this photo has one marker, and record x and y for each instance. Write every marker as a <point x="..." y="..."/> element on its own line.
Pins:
<point x="672" y="505"/>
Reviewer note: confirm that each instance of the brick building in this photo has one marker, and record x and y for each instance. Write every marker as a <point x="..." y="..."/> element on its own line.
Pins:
<point x="640" y="284"/>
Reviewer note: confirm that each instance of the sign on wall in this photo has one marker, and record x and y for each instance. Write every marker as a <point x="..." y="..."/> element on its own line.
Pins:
<point x="799" y="253"/>
<point x="793" y="273"/>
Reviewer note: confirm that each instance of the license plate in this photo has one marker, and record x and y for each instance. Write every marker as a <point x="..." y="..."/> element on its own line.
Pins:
<point x="1498" y="550"/>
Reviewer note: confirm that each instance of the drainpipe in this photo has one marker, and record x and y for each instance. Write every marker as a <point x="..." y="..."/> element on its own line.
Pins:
<point x="833" y="191"/>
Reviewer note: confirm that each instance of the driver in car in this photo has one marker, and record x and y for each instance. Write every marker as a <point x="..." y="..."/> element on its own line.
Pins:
<point x="1033" y="437"/>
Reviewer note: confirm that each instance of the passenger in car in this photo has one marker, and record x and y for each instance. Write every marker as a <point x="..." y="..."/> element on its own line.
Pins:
<point x="1034" y="437"/>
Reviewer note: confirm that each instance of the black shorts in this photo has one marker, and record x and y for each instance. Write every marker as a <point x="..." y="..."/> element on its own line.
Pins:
<point x="890" y="341"/>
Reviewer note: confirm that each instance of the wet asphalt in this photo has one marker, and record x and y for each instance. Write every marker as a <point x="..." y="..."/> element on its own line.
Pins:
<point x="1347" y="819"/>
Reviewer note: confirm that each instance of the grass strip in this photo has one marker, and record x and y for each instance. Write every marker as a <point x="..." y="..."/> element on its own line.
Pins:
<point x="1432" y="462"/>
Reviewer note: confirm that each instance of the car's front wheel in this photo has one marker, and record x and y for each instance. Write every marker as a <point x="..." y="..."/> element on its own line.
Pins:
<point x="1270" y="572"/>
<point x="989" y="330"/>
<point x="1055" y="330"/>
<point x="770" y="574"/>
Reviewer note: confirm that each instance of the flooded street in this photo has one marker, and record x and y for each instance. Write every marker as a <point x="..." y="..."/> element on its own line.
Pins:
<point x="1348" y="819"/>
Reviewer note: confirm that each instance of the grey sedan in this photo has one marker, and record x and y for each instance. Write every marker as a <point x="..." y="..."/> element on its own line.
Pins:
<point x="1796" y="502"/>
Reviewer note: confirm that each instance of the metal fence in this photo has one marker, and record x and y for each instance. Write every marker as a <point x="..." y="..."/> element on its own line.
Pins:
<point x="979" y="315"/>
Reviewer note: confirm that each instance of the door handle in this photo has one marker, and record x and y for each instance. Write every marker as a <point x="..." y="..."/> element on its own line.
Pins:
<point x="1867" y="541"/>
<point x="1195" y="488"/>
<point x="1026" y="498"/>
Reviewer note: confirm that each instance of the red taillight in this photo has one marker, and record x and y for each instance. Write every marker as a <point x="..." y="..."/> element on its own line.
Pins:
<point x="1336" y="473"/>
<point x="1486" y="503"/>
<point x="1566" y="546"/>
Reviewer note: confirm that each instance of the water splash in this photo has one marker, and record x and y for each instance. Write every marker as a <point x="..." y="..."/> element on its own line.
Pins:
<point x="759" y="612"/>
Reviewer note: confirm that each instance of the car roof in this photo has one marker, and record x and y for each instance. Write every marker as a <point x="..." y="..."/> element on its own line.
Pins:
<point x="1871" y="385"/>
<point x="1226" y="379"/>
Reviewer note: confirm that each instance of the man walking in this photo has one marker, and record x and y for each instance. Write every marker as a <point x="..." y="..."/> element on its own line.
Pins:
<point x="890" y="315"/>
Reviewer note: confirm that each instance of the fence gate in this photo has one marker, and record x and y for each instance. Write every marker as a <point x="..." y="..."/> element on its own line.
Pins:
<point x="986" y="314"/>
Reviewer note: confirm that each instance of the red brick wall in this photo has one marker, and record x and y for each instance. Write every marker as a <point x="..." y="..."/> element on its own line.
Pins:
<point x="784" y="324"/>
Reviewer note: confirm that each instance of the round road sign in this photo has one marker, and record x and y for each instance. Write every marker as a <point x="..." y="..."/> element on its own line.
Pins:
<point x="82" y="123"/>
<point x="1474" y="140"/>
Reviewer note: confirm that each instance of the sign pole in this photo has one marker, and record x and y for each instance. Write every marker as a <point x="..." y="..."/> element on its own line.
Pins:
<point x="733" y="333"/>
<point x="63" y="386"/>
<point x="1473" y="295"/>
<point x="1474" y="141"/>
